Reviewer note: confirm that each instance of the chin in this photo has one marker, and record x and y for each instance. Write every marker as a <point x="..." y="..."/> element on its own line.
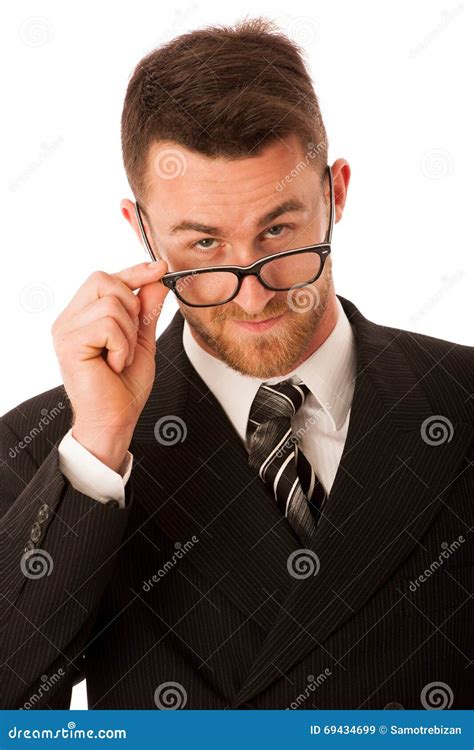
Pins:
<point x="263" y="359"/>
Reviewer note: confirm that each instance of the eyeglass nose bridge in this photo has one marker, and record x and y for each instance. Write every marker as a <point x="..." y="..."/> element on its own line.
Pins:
<point x="170" y="280"/>
<point x="253" y="270"/>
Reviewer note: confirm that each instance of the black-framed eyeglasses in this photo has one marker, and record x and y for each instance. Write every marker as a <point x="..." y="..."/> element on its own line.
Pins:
<point x="279" y="272"/>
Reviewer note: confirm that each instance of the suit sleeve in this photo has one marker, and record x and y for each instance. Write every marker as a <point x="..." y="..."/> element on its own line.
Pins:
<point x="58" y="547"/>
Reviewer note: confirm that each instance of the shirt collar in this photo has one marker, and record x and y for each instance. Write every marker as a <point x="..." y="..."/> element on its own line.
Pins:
<point x="329" y="374"/>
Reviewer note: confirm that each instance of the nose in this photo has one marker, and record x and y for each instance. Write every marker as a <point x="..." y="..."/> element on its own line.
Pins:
<point x="252" y="296"/>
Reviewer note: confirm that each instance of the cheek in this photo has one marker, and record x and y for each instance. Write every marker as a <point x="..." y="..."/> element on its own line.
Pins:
<point x="200" y="318"/>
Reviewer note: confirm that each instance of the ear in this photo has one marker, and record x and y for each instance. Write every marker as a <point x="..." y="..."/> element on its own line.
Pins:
<point x="341" y="175"/>
<point x="127" y="208"/>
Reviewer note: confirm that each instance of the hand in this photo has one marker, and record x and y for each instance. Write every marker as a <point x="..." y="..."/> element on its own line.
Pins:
<point x="105" y="344"/>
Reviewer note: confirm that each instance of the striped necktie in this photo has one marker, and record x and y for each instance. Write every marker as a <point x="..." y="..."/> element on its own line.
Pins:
<point x="280" y="463"/>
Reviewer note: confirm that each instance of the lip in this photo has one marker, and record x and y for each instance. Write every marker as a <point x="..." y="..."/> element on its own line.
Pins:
<point x="259" y="327"/>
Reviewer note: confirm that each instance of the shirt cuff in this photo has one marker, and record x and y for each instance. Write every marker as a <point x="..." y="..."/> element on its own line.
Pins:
<point x="89" y="475"/>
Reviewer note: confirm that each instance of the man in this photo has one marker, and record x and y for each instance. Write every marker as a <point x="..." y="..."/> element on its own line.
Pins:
<point x="270" y="506"/>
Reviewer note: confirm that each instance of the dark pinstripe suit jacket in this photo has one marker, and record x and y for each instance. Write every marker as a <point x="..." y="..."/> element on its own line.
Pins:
<point x="190" y="584"/>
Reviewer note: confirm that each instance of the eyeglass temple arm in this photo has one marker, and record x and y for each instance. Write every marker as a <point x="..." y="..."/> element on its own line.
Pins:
<point x="331" y="207"/>
<point x="143" y="233"/>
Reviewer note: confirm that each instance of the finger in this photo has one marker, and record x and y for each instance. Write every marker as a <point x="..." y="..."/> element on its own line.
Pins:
<point x="88" y="342"/>
<point x="141" y="274"/>
<point x="105" y="307"/>
<point x="99" y="284"/>
<point x="151" y="298"/>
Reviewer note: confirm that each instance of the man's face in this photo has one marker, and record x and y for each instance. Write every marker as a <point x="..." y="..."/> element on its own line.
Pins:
<point x="230" y="199"/>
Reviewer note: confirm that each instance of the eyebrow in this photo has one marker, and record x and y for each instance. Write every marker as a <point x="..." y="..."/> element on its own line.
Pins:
<point x="293" y="204"/>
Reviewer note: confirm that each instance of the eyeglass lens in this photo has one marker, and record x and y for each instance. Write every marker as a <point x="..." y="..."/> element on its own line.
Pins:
<point x="214" y="287"/>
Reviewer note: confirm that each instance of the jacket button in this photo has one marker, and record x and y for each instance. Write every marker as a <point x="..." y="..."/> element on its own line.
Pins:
<point x="35" y="532"/>
<point x="29" y="546"/>
<point x="113" y="503"/>
<point x="43" y="513"/>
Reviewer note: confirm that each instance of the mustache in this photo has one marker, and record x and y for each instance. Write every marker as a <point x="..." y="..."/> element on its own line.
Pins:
<point x="271" y="311"/>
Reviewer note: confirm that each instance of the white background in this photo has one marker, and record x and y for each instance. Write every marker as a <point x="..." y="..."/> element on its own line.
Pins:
<point x="394" y="83"/>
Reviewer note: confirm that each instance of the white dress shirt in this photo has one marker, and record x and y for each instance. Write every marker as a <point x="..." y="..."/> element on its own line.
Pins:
<point x="321" y="423"/>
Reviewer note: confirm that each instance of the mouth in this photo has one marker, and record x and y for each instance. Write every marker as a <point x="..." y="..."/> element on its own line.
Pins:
<point x="259" y="326"/>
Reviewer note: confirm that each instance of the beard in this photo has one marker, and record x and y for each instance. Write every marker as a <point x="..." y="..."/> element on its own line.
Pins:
<point x="270" y="353"/>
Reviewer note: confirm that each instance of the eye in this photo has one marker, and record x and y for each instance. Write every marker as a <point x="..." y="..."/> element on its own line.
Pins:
<point x="200" y="246"/>
<point x="276" y="230"/>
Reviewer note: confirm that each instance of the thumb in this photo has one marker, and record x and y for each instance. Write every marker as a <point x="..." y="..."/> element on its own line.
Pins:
<point x="151" y="298"/>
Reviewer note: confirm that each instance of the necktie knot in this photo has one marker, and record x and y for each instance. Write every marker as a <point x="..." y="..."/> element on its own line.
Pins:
<point x="276" y="401"/>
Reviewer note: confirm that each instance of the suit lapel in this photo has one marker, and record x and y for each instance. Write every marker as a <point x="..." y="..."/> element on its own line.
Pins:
<point x="389" y="482"/>
<point x="388" y="487"/>
<point x="203" y="487"/>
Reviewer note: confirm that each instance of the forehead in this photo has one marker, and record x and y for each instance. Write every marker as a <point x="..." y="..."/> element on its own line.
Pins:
<point x="180" y="180"/>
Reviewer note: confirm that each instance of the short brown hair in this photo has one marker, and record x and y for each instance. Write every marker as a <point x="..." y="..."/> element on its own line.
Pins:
<point x="221" y="91"/>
